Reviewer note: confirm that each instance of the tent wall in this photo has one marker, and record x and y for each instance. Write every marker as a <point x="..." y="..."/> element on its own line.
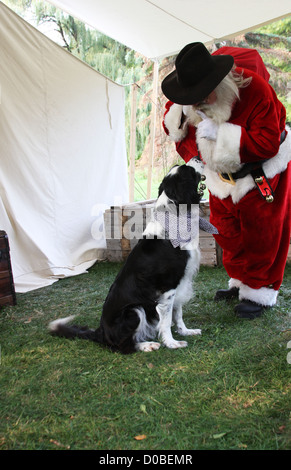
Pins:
<point x="62" y="155"/>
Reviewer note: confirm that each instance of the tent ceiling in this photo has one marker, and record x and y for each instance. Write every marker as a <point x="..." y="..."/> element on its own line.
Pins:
<point x="160" y="28"/>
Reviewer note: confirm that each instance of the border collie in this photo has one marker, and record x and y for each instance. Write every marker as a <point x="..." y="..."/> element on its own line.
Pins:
<point x="155" y="281"/>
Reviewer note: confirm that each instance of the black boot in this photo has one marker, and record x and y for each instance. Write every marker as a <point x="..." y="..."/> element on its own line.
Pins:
<point x="227" y="294"/>
<point x="248" y="309"/>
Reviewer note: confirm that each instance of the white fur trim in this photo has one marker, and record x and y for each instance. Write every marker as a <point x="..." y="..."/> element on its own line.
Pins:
<point x="206" y="148"/>
<point x="263" y="296"/>
<point x="223" y="155"/>
<point x="172" y="122"/>
<point x="272" y="167"/>
<point x="222" y="190"/>
<point x="234" y="283"/>
<point x="279" y="163"/>
<point x="226" y="156"/>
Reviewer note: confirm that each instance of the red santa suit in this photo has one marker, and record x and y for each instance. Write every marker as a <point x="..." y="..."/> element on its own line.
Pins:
<point x="254" y="234"/>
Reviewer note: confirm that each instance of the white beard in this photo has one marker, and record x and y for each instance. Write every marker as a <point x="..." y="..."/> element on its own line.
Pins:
<point x="222" y="155"/>
<point x="220" y="111"/>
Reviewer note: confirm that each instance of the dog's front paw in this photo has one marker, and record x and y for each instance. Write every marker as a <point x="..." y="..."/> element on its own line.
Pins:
<point x="147" y="346"/>
<point x="176" y="344"/>
<point x="188" y="332"/>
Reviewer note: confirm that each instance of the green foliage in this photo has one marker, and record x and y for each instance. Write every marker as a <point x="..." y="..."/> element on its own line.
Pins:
<point x="287" y="104"/>
<point x="281" y="28"/>
<point x="116" y="61"/>
<point x="19" y="5"/>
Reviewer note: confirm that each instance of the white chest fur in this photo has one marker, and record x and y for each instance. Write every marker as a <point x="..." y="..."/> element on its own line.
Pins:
<point x="184" y="290"/>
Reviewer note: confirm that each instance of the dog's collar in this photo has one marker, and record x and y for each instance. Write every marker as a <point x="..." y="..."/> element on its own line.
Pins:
<point x="183" y="228"/>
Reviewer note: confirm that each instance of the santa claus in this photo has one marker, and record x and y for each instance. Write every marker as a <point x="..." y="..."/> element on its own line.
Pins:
<point x="230" y="119"/>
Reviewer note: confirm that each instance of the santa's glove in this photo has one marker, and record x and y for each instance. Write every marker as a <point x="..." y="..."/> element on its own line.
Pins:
<point x="207" y="128"/>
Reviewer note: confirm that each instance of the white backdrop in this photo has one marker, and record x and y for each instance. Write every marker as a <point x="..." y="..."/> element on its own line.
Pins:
<point x="62" y="155"/>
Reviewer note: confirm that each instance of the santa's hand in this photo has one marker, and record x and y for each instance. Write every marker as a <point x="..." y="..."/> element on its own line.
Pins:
<point x="207" y="128"/>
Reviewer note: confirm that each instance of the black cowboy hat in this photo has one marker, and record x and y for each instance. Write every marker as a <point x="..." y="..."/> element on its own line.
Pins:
<point x="196" y="75"/>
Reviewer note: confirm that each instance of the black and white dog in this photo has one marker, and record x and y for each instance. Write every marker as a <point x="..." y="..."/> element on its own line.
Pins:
<point x="155" y="281"/>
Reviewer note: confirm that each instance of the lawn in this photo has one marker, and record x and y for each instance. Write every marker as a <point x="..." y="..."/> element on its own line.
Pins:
<point x="229" y="389"/>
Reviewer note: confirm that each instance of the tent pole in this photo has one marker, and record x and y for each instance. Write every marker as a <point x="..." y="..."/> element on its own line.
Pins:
<point x="132" y="142"/>
<point x="153" y="127"/>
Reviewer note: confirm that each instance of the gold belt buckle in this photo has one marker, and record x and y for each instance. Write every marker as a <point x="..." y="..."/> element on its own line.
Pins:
<point x="230" y="181"/>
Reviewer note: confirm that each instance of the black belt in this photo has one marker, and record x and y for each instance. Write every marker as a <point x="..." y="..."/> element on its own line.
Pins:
<point x="246" y="170"/>
<point x="256" y="171"/>
<point x="259" y="177"/>
<point x="248" y="167"/>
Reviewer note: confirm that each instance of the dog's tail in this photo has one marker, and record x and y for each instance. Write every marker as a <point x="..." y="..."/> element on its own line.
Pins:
<point x="60" y="327"/>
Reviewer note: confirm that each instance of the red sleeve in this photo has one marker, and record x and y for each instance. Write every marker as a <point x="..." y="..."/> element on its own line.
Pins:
<point x="264" y="120"/>
<point x="186" y="147"/>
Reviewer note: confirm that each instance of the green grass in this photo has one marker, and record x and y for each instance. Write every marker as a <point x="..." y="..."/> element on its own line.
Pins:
<point x="230" y="389"/>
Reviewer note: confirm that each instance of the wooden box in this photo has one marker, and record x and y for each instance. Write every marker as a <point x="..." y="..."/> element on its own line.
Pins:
<point x="211" y="252"/>
<point x="7" y="291"/>
<point x="120" y="242"/>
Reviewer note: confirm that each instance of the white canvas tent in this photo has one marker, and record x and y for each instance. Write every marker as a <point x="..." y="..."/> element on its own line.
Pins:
<point x="62" y="149"/>
<point x="160" y="28"/>
<point x="62" y="155"/>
